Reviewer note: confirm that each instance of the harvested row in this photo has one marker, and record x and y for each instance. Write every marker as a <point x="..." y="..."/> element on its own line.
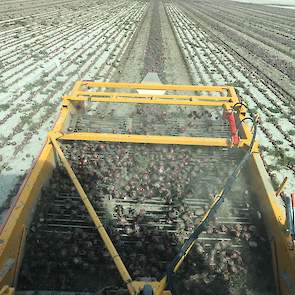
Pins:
<point x="269" y="61"/>
<point x="51" y="45"/>
<point x="210" y="65"/>
<point x="25" y="7"/>
<point x="283" y="43"/>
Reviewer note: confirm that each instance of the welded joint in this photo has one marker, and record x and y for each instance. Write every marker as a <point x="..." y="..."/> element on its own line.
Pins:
<point x="65" y="102"/>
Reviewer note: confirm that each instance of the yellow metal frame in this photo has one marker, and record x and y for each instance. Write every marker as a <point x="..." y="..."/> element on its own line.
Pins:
<point x="14" y="229"/>
<point x="227" y="98"/>
<point x="226" y="94"/>
<point x="220" y="96"/>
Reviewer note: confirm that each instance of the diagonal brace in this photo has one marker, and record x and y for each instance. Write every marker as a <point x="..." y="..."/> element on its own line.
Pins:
<point x="98" y="224"/>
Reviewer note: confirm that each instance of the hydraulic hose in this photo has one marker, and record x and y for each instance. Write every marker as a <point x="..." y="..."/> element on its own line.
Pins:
<point x="219" y="199"/>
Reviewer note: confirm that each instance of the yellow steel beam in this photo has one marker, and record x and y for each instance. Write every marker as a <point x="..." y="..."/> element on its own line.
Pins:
<point x="245" y="127"/>
<point x="155" y="139"/>
<point x="154" y="96"/>
<point x="76" y="87"/>
<point x="139" y="285"/>
<point x="63" y="116"/>
<point x="232" y="92"/>
<point x="156" y="86"/>
<point x="274" y="217"/>
<point x="103" y="234"/>
<point x="115" y="99"/>
<point x="282" y="186"/>
<point x="19" y="256"/>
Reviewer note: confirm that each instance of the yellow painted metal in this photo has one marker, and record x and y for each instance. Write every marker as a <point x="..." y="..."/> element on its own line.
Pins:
<point x="155" y="139"/>
<point x="20" y="215"/>
<point x="194" y="100"/>
<point x="98" y="224"/>
<point x="63" y="116"/>
<point x="76" y="87"/>
<point x="148" y="139"/>
<point x="243" y="111"/>
<point x="274" y="218"/>
<point x="19" y="256"/>
<point x="232" y="91"/>
<point x="155" y="285"/>
<point x="116" y="99"/>
<point x="94" y="84"/>
<point x="153" y="96"/>
<point x="228" y="100"/>
<point x="282" y="186"/>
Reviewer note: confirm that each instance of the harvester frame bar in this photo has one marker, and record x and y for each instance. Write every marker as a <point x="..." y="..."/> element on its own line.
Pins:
<point x="134" y="287"/>
<point x="151" y="100"/>
<point x="151" y="86"/>
<point x="153" y="96"/>
<point x="153" y="139"/>
<point x="227" y="100"/>
<point x="98" y="224"/>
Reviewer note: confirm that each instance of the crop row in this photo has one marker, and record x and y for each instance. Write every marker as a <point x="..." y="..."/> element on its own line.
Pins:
<point x="33" y="99"/>
<point x="209" y="64"/>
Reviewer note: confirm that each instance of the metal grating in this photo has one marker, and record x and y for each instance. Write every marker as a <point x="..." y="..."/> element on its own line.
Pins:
<point x="152" y="120"/>
<point x="149" y="197"/>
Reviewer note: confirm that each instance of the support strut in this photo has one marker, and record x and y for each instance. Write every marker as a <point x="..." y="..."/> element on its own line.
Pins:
<point x="98" y="224"/>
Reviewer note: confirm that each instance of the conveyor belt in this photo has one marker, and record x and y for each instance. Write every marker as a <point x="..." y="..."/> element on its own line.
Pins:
<point x="149" y="197"/>
<point x="146" y="119"/>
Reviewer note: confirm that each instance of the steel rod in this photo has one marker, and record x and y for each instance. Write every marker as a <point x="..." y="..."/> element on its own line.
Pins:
<point x="104" y="235"/>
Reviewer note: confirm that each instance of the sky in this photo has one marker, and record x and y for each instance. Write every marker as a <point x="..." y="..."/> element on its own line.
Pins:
<point x="282" y="2"/>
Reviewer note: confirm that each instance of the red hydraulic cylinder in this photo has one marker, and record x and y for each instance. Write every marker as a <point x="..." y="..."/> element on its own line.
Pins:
<point x="293" y="215"/>
<point x="233" y="127"/>
<point x="293" y="200"/>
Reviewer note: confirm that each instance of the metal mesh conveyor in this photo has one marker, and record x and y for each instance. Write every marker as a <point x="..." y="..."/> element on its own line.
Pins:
<point x="153" y="120"/>
<point x="149" y="197"/>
